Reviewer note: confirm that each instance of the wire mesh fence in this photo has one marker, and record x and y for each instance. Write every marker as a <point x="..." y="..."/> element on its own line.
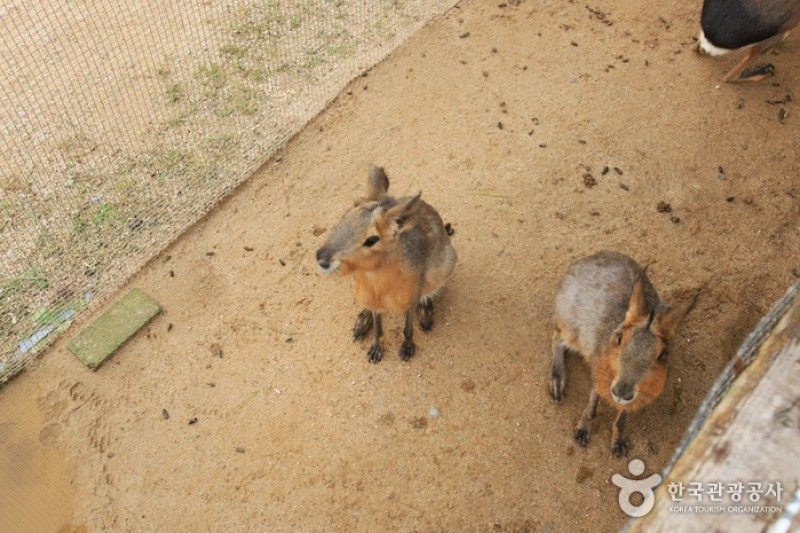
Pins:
<point x="122" y="122"/>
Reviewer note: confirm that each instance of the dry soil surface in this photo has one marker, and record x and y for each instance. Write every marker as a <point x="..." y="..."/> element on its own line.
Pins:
<point x="246" y="405"/>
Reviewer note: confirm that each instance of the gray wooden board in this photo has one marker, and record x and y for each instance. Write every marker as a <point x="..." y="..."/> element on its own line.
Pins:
<point x="752" y="435"/>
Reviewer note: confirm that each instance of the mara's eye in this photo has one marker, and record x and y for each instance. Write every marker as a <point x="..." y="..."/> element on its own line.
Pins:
<point x="618" y="338"/>
<point x="371" y="241"/>
<point x="663" y="355"/>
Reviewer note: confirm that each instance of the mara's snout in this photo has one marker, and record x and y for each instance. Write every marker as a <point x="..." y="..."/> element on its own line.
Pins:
<point x="325" y="260"/>
<point x="622" y="394"/>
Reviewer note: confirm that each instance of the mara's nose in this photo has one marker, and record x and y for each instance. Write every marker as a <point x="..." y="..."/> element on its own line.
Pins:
<point x="624" y="392"/>
<point x="323" y="258"/>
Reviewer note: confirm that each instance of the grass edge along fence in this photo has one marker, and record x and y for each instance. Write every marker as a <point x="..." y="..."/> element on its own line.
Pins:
<point x="122" y="123"/>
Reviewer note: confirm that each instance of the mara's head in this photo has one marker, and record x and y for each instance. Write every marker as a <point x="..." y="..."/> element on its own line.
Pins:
<point x="369" y="231"/>
<point x="633" y="367"/>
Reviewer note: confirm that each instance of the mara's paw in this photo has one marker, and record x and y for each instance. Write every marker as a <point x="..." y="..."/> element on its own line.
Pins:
<point x="557" y="388"/>
<point x="425" y="312"/>
<point x="375" y="353"/>
<point x="619" y="448"/>
<point x="581" y="436"/>
<point x="407" y="350"/>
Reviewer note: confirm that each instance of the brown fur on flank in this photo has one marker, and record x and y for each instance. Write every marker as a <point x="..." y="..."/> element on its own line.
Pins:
<point x="608" y="311"/>
<point x="399" y="254"/>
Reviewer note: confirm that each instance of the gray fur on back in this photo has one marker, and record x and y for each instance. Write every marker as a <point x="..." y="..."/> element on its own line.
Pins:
<point x="594" y="295"/>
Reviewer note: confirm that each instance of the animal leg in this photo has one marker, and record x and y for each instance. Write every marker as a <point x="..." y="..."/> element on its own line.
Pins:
<point x="376" y="350"/>
<point x="363" y="324"/>
<point x="619" y="446"/>
<point x="741" y="72"/>
<point x="558" y="372"/>
<point x="407" y="349"/>
<point x="425" y="310"/>
<point x="582" y="430"/>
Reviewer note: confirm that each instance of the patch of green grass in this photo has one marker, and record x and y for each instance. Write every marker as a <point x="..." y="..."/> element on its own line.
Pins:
<point x="243" y="100"/>
<point x="295" y="20"/>
<point x="212" y="75"/>
<point x="33" y="279"/>
<point x="163" y="72"/>
<point x="339" y="49"/>
<point x="170" y="164"/>
<point x="174" y="93"/>
<point x="183" y="115"/>
<point x="233" y="50"/>
<point x="105" y="214"/>
<point x="47" y="245"/>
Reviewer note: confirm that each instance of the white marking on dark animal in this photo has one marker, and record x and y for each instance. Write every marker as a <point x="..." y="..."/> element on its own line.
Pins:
<point x="709" y="48"/>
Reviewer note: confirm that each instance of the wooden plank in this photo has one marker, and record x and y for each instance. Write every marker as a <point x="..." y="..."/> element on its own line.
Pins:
<point x="752" y="435"/>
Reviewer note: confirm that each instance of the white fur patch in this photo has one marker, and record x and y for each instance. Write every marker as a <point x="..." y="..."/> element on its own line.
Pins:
<point x="332" y="268"/>
<point x="709" y="48"/>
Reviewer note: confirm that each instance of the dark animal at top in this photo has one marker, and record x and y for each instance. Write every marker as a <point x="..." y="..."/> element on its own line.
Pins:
<point x="754" y="25"/>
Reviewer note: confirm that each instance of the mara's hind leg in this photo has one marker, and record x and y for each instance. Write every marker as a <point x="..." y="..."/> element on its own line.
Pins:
<point x="558" y="372"/>
<point x="363" y="324"/>
<point x="425" y="310"/>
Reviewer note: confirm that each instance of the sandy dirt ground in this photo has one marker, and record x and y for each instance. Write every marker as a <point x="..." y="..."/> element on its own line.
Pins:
<point x="246" y="405"/>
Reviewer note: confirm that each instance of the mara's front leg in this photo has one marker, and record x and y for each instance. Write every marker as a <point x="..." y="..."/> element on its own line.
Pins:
<point x="376" y="350"/>
<point x="582" y="429"/>
<point x="619" y="446"/>
<point x="407" y="349"/>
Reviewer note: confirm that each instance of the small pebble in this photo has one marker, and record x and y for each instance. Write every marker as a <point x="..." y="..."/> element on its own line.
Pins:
<point x="239" y="449"/>
<point x="605" y="170"/>
<point x="434" y="412"/>
<point x="165" y="414"/>
<point x="211" y="254"/>
<point x="624" y="187"/>
<point x="618" y="170"/>
<point x="193" y="420"/>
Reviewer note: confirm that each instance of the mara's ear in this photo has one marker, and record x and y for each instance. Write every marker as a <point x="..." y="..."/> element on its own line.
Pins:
<point x="638" y="310"/>
<point x="377" y="184"/>
<point x="666" y="324"/>
<point x="403" y="216"/>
